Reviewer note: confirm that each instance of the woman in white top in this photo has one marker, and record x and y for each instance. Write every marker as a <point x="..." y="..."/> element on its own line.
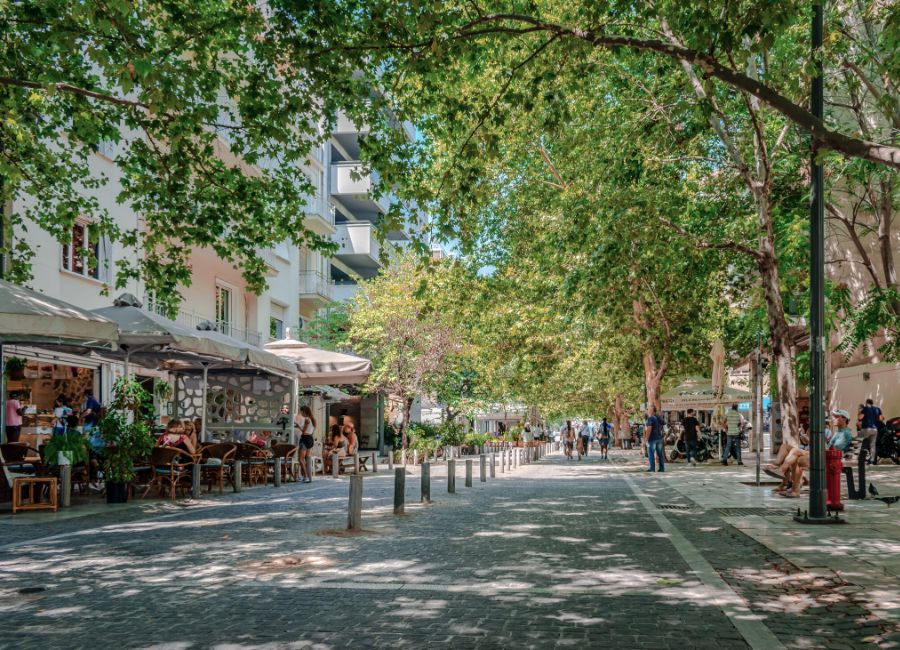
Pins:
<point x="306" y="425"/>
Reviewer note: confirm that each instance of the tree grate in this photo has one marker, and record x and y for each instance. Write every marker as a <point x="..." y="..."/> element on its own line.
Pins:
<point x="674" y="506"/>
<point x="762" y="512"/>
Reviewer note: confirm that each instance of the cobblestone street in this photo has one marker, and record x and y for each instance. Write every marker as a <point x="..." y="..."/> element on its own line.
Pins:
<point x="568" y="554"/>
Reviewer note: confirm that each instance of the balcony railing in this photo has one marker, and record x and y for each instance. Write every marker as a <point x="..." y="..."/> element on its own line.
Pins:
<point x="190" y="320"/>
<point x="314" y="283"/>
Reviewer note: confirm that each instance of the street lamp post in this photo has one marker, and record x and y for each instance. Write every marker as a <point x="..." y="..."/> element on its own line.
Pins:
<point x="817" y="512"/>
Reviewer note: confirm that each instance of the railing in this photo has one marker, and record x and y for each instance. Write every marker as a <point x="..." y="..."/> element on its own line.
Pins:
<point x="190" y="320"/>
<point x="314" y="283"/>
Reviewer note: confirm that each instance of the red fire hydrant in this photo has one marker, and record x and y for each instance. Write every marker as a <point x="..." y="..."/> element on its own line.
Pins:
<point x="834" y="471"/>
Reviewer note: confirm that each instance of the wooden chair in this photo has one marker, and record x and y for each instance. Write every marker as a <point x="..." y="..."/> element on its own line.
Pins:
<point x="217" y="464"/>
<point x="290" y="467"/>
<point x="316" y="454"/>
<point x="254" y="460"/>
<point x="171" y="469"/>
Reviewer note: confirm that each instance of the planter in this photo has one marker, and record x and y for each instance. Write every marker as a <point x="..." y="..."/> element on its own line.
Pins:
<point x="16" y="374"/>
<point x="116" y="492"/>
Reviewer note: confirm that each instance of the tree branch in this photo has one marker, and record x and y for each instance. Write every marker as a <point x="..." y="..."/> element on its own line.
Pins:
<point x="724" y="245"/>
<point x="75" y="90"/>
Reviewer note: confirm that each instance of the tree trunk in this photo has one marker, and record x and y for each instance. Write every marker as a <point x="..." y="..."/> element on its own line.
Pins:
<point x="407" y="407"/>
<point x="653" y="376"/>
<point x="782" y="347"/>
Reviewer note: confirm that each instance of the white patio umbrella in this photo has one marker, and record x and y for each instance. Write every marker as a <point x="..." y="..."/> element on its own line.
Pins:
<point x="316" y="366"/>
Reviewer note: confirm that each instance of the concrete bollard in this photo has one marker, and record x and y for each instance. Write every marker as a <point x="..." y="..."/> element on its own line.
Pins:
<point x="390" y="455"/>
<point x="468" y="472"/>
<point x="65" y="477"/>
<point x="451" y="476"/>
<point x="354" y="508"/>
<point x="356" y="463"/>
<point x="502" y="461"/>
<point x="195" y="481"/>
<point x="493" y="465"/>
<point x="310" y="468"/>
<point x="426" y="483"/>
<point x="238" y="470"/>
<point x="335" y="465"/>
<point x="415" y="456"/>
<point x="374" y="462"/>
<point x="276" y="476"/>
<point x="482" y="468"/>
<point x="399" y="490"/>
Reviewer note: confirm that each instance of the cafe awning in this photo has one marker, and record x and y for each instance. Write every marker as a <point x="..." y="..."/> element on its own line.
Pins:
<point x="699" y="393"/>
<point x="29" y="317"/>
<point x="315" y="366"/>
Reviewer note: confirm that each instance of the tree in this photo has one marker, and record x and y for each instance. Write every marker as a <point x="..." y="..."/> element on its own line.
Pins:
<point x="207" y="119"/>
<point x="392" y="323"/>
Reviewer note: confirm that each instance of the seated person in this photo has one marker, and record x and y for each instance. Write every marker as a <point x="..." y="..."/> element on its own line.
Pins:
<point x="339" y="445"/>
<point x="176" y="436"/>
<point x="256" y="438"/>
<point x="842" y="437"/>
<point x="349" y="431"/>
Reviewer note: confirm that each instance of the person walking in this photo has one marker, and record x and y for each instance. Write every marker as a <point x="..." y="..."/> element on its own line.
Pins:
<point x="14" y="412"/>
<point x="653" y="439"/>
<point x="605" y="434"/>
<point x="689" y="430"/>
<point x="584" y="439"/>
<point x="869" y="418"/>
<point x="306" y="426"/>
<point x="735" y="422"/>
<point x="568" y="436"/>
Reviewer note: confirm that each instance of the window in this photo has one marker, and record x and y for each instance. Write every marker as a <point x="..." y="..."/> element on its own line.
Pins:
<point x="87" y="253"/>
<point x="223" y="309"/>
<point x="276" y="328"/>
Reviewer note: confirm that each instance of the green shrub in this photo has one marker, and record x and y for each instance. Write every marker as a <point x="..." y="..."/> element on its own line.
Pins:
<point x="477" y="439"/>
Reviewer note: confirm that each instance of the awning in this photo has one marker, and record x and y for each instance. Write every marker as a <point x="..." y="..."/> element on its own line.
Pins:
<point x="315" y="366"/>
<point x="699" y="393"/>
<point x="328" y="393"/>
<point x="30" y="317"/>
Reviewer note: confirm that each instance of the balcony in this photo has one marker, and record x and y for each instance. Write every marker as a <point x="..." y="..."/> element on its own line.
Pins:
<point x="343" y="291"/>
<point x="319" y="215"/>
<point x="315" y="287"/>
<point x="352" y="186"/>
<point x="190" y="320"/>
<point x="358" y="248"/>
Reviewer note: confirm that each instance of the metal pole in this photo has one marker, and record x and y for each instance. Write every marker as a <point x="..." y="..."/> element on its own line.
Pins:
<point x="817" y="289"/>
<point x="758" y="397"/>
<point x="204" y="390"/>
<point x="426" y="483"/>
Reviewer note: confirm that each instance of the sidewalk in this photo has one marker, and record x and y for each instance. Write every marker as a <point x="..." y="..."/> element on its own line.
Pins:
<point x="864" y="552"/>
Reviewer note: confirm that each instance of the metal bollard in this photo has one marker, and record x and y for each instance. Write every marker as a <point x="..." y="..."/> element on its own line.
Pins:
<point x="310" y="468"/>
<point x="493" y="465"/>
<point x="426" y="482"/>
<point x="238" y="470"/>
<point x="374" y="462"/>
<point x="482" y="468"/>
<point x="195" y="481"/>
<point x="399" y="490"/>
<point x="468" y="472"/>
<point x="276" y="476"/>
<point x="335" y="465"/>
<point x="451" y="476"/>
<point x="354" y="508"/>
<point x="65" y="476"/>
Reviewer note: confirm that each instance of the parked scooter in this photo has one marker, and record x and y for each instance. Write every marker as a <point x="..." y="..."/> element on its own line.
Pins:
<point x="888" y="444"/>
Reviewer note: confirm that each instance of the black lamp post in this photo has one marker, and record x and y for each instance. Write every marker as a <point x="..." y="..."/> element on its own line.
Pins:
<point x="817" y="512"/>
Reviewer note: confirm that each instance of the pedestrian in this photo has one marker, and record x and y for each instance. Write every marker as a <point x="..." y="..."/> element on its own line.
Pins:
<point x="735" y="423"/>
<point x="14" y="412"/>
<point x="653" y="439"/>
<point x="841" y="437"/>
<point x="869" y="418"/>
<point x="61" y="413"/>
<point x="689" y="429"/>
<point x="306" y="425"/>
<point x="569" y="438"/>
<point x="605" y="434"/>
<point x="584" y="439"/>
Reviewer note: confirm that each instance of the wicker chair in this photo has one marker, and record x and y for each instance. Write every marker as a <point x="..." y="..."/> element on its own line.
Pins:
<point x="171" y="469"/>
<point x="254" y="463"/>
<point x="290" y="467"/>
<point x="217" y="464"/>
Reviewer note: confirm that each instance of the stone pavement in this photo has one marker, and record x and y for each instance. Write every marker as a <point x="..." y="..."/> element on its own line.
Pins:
<point x="553" y="554"/>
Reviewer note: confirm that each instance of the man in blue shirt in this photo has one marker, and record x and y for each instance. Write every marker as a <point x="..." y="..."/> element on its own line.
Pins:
<point x="653" y="438"/>
<point x="869" y="417"/>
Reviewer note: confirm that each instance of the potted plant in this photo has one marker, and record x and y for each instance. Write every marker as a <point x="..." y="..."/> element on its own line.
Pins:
<point x="126" y="437"/>
<point x="163" y="390"/>
<point x="70" y="448"/>
<point x="14" y="367"/>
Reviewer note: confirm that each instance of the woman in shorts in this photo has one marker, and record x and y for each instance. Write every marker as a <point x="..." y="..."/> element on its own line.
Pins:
<point x="306" y="425"/>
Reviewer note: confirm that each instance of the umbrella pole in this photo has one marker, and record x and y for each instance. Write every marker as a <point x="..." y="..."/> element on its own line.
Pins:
<point x="203" y="436"/>
<point x="295" y="389"/>
<point x="3" y="395"/>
